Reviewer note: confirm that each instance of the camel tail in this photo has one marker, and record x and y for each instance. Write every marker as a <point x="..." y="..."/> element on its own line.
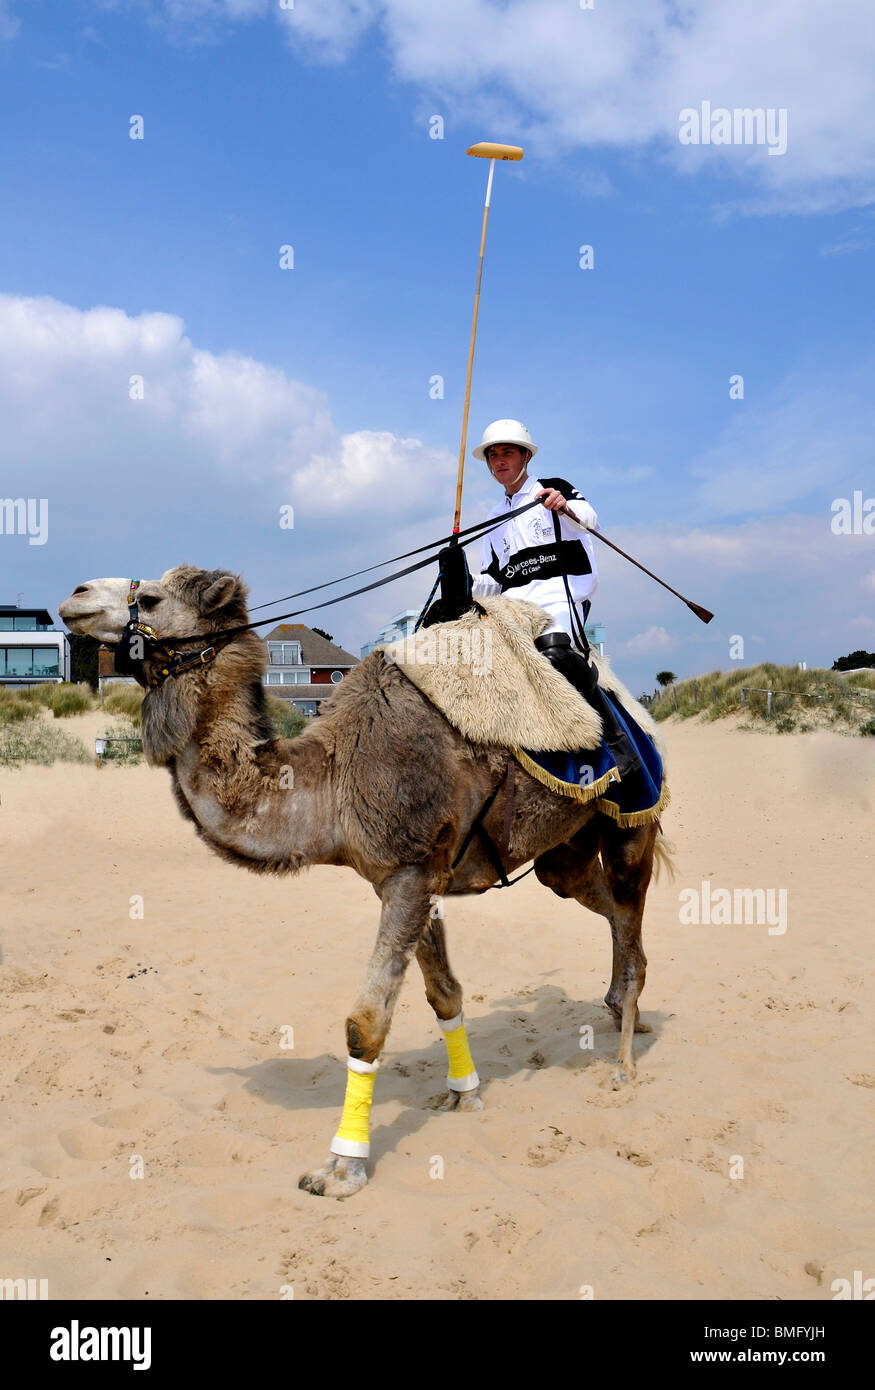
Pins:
<point x="663" y="859"/>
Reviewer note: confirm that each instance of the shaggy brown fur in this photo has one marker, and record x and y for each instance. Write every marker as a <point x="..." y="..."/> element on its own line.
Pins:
<point x="380" y="782"/>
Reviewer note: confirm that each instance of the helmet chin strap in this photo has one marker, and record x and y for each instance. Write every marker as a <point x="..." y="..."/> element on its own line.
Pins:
<point x="515" y="480"/>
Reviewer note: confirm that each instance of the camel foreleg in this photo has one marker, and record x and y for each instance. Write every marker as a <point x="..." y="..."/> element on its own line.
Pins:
<point x="406" y="899"/>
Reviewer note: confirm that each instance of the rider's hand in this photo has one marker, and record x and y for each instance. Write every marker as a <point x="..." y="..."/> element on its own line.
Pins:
<point x="551" y="499"/>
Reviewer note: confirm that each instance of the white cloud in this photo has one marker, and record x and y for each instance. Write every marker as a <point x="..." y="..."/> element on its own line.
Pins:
<point x="65" y="374"/>
<point x="197" y="471"/>
<point x="375" y="469"/>
<point x="618" y="76"/>
<point x="246" y="410"/>
<point x="655" y="639"/>
<point x="844" y="248"/>
<point x="331" y="28"/>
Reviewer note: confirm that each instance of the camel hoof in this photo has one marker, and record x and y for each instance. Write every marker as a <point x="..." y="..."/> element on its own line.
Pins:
<point x="340" y="1178"/>
<point x="621" y="1077"/>
<point x="459" y="1100"/>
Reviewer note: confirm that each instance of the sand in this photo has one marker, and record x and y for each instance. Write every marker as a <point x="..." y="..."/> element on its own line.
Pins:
<point x="157" y="1041"/>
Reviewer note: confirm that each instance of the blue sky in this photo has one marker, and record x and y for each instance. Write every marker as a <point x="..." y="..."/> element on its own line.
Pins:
<point x="310" y="386"/>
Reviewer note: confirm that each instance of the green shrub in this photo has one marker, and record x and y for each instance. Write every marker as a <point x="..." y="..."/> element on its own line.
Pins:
<point x="35" y="695"/>
<point x="288" y="721"/>
<point x="126" y="700"/>
<point x="34" y="741"/>
<point x="864" y="680"/>
<point x="62" y="700"/>
<point x="13" y="709"/>
<point x="65" y="700"/>
<point x="840" y="700"/>
<point x="868" y="727"/>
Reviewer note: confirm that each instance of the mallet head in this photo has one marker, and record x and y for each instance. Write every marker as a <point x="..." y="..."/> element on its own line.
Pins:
<point x="488" y="150"/>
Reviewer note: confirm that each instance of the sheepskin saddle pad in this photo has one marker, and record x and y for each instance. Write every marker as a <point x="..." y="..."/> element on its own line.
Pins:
<point x="487" y="677"/>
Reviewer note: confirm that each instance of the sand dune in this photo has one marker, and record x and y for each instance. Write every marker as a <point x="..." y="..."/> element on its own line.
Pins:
<point x="160" y="1039"/>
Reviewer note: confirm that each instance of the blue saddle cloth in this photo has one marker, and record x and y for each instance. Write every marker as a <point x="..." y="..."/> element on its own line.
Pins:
<point x="591" y="773"/>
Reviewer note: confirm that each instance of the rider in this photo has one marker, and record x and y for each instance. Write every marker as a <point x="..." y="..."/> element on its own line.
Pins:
<point x="549" y="561"/>
<point x="521" y="558"/>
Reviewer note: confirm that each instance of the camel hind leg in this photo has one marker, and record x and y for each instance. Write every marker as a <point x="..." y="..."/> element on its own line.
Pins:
<point x="608" y="870"/>
<point x="444" y="994"/>
<point x="627" y="859"/>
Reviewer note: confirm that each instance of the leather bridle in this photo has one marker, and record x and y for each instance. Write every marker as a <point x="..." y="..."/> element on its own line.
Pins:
<point x="139" y="644"/>
<point x="163" y="659"/>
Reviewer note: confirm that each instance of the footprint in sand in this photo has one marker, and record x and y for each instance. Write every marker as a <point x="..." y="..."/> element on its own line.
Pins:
<point x="633" y="1156"/>
<point x="218" y="1150"/>
<point x="145" y="1117"/>
<point x="542" y="1155"/>
<point x="90" y="1141"/>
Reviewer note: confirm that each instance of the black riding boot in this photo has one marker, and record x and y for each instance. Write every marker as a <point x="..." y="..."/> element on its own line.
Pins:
<point x="584" y="676"/>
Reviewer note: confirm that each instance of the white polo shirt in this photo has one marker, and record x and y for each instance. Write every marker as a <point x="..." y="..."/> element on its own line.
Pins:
<point x="520" y="559"/>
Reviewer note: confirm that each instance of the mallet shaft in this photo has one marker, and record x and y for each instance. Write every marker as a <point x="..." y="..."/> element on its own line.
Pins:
<point x="700" y="612"/>
<point x="464" y="443"/>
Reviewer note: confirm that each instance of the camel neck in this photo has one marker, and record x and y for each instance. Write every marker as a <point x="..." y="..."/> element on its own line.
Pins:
<point x="256" y="799"/>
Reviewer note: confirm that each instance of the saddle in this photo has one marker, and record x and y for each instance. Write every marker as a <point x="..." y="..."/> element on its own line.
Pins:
<point x="577" y="667"/>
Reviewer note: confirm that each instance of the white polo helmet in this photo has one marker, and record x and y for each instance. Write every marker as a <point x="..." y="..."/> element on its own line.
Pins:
<point x="505" y="432"/>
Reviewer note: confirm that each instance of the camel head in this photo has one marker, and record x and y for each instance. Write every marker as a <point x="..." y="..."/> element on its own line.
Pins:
<point x="182" y="602"/>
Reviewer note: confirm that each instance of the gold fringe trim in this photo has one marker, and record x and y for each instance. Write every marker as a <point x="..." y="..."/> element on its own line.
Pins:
<point x="569" y="789"/>
<point x="626" y="820"/>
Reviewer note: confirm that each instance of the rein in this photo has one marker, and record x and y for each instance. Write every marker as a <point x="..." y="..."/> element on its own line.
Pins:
<point x="140" y="637"/>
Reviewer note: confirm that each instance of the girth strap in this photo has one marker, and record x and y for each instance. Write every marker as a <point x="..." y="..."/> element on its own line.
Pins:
<point x="477" y="828"/>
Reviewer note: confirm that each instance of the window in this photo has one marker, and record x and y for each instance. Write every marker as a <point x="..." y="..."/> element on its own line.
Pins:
<point x="273" y="677"/>
<point x="29" y="661"/>
<point x="284" y="653"/>
<point x="21" y="622"/>
<point x="301" y="677"/>
<point x="336" y="677"/>
<point x="308" y="707"/>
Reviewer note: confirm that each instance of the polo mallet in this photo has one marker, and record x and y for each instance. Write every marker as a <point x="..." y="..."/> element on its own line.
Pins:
<point x="485" y="150"/>
<point x="700" y="612"/>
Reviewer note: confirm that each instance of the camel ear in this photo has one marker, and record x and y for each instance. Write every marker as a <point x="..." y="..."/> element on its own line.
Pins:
<point x="220" y="592"/>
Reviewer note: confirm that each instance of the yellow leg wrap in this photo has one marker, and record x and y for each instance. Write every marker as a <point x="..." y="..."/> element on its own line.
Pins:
<point x="352" y="1139"/>
<point x="461" y="1075"/>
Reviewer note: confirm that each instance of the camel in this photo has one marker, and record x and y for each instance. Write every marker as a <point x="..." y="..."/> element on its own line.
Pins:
<point x="381" y="783"/>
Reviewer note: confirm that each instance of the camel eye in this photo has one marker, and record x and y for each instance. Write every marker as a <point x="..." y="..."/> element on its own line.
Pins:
<point x="149" y="602"/>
